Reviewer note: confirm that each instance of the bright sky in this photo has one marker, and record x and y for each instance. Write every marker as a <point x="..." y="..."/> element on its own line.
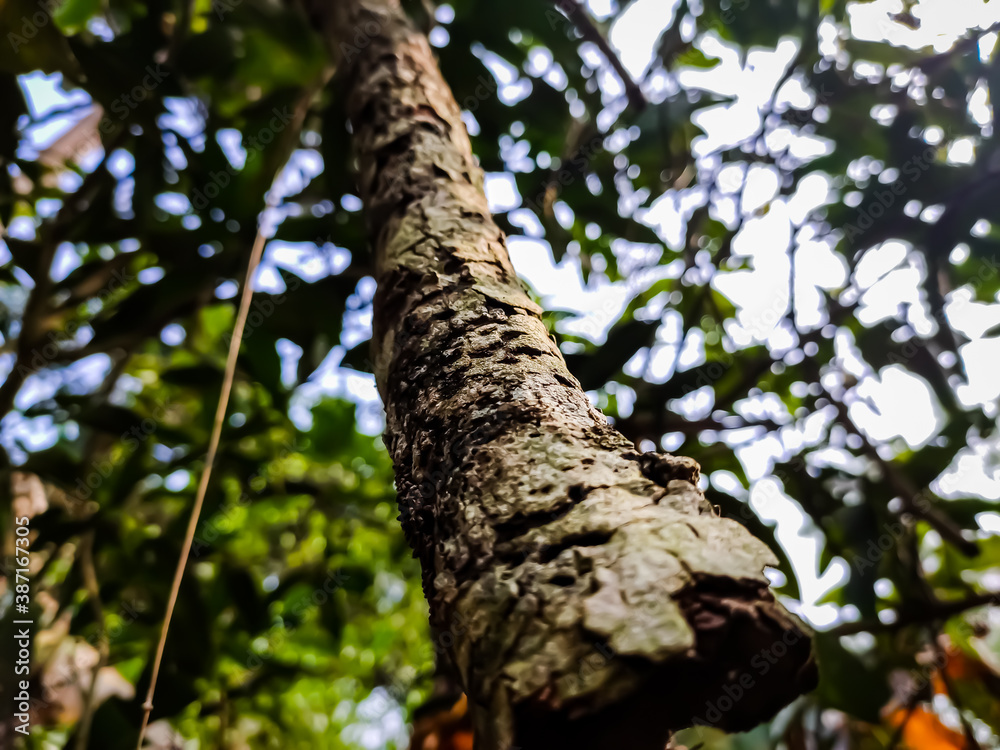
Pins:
<point x="886" y="277"/>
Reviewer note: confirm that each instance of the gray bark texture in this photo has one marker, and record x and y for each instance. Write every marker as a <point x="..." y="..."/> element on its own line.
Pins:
<point x="587" y="594"/>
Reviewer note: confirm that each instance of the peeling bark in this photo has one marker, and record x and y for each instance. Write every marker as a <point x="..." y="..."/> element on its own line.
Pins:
<point x="587" y="594"/>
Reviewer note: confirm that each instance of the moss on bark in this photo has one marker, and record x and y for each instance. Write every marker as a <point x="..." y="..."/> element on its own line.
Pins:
<point x="588" y="595"/>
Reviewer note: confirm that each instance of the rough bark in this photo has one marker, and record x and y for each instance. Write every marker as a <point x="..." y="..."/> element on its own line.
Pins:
<point x="587" y="594"/>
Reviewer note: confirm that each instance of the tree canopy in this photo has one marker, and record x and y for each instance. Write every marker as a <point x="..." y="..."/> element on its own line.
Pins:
<point x="780" y="230"/>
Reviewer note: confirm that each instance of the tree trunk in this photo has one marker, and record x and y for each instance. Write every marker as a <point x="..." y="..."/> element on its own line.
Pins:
<point x="587" y="594"/>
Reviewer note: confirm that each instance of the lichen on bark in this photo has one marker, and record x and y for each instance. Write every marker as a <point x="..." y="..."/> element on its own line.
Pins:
<point x="589" y="595"/>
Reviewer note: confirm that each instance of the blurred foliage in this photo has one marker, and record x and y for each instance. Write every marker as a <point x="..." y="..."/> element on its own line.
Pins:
<point x="301" y="622"/>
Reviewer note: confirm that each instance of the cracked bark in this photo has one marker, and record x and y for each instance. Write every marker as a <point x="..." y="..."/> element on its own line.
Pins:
<point x="587" y="594"/>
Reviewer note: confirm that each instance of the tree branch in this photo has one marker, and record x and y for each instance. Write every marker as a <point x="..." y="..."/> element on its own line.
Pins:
<point x="930" y="612"/>
<point x="904" y="488"/>
<point x="578" y="15"/>
<point x="578" y="582"/>
<point x="970" y="735"/>
<point x="38" y="299"/>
